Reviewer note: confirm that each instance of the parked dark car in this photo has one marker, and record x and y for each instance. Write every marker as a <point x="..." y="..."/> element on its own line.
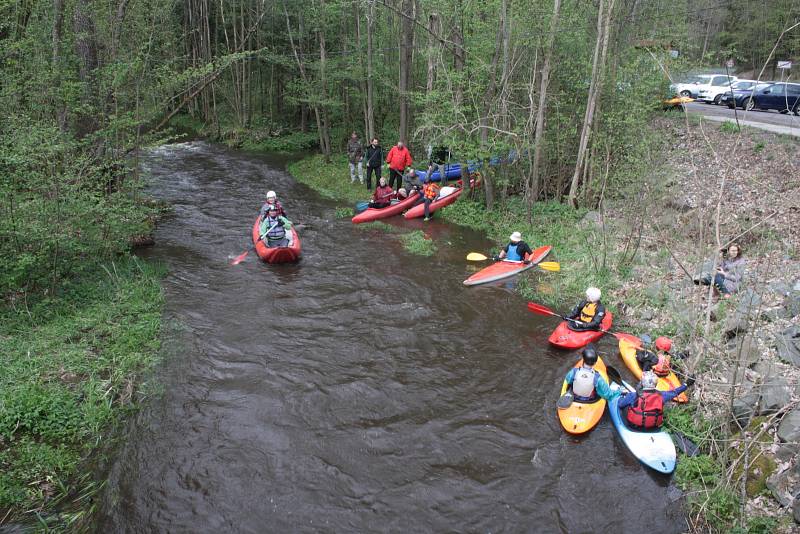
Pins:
<point x="740" y="95"/>
<point x="784" y="97"/>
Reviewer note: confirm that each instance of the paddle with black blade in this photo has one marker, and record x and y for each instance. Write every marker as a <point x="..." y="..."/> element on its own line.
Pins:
<point x="565" y="400"/>
<point x="552" y="266"/>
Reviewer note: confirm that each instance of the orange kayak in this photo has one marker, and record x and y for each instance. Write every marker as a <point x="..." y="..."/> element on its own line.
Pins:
<point x="627" y="349"/>
<point x="581" y="417"/>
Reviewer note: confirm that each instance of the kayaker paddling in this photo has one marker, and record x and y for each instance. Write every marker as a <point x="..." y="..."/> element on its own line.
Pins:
<point x="588" y="314"/>
<point x="515" y="250"/>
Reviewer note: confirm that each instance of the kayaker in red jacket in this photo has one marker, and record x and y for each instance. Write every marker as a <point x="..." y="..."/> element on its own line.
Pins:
<point x="644" y="408"/>
<point x="398" y="159"/>
<point x="383" y="195"/>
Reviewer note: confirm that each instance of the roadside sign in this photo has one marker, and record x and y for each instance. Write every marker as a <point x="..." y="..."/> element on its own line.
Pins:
<point x="674" y="53"/>
<point x="729" y="63"/>
<point x="784" y="64"/>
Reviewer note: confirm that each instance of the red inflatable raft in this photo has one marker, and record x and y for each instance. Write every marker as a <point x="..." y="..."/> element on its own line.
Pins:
<point x="505" y="269"/>
<point x="373" y="214"/>
<point x="419" y="209"/>
<point x="276" y="254"/>
<point x="565" y="338"/>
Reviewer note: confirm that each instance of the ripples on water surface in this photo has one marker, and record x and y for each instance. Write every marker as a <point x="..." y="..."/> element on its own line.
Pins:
<point x="363" y="389"/>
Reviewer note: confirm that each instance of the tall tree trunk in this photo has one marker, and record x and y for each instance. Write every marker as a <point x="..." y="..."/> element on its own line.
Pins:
<point x="406" y="65"/>
<point x="601" y="47"/>
<point x="324" y="135"/>
<point x="434" y="29"/>
<point x="58" y="27"/>
<point x="370" y="81"/>
<point x="86" y="51"/>
<point x="538" y="138"/>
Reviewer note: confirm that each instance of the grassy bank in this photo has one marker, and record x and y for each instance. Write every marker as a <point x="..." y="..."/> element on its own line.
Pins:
<point x="585" y="258"/>
<point x="72" y="364"/>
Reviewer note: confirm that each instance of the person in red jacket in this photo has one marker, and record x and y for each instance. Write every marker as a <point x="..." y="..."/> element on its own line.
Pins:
<point x="398" y="159"/>
<point x="382" y="196"/>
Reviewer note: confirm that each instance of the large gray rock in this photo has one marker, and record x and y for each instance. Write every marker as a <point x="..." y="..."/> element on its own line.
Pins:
<point x="735" y="324"/>
<point x="775" y="394"/>
<point x="745" y="351"/>
<point x="592" y="218"/>
<point x="788" y="345"/>
<point x="749" y="301"/>
<point x="646" y="314"/>
<point x="791" y="305"/>
<point x="796" y="510"/>
<point x="745" y="407"/>
<point x="782" y="486"/>
<point x="789" y="429"/>
<point x="654" y="291"/>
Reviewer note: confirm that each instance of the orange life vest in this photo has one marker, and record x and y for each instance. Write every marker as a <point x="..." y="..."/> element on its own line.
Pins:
<point x="588" y="311"/>
<point x="662" y="368"/>
<point x="430" y="190"/>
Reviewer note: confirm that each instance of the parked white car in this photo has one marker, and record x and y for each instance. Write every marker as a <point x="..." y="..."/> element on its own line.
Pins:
<point x="694" y="84"/>
<point x="713" y="94"/>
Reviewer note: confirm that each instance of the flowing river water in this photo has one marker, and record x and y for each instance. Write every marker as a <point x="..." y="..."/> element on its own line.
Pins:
<point x="361" y="390"/>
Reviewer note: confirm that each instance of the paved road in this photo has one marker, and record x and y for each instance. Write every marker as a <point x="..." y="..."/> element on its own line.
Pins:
<point x="772" y="121"/>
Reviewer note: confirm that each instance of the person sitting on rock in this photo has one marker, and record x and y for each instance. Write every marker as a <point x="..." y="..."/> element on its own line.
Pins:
<point x="588" y="314"/>
<point x="730" y="272"/>
<point x="644" y="408"/>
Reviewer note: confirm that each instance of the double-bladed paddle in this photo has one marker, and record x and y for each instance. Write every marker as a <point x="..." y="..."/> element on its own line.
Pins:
<point x="552" y="266"/>
<point x="544" y="310"/>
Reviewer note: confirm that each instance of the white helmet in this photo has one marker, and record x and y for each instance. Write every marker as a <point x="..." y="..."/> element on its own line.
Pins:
<point x="592" y="294"/>
<point x="649" y="380"/>
<point x="516" y="237"/>
<point x="271" y="194"/>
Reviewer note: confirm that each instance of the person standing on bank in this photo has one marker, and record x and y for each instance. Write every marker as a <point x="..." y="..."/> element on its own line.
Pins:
<point x="374" y="157"/>
<point x="355" y="156"/>
<point x="398" y="159"/>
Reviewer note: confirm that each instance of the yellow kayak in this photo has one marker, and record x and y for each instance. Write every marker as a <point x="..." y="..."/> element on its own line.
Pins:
<point x="581" y="417"/>
<point x="627" y="349"/>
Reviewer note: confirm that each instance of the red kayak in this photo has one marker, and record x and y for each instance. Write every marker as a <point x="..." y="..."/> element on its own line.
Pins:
<point x="565" y="338"/>
<point x="373" y="214"/>
<point x="419" y="209"/>
<point x="505" y="268"/>
<point x="276" y="254"/>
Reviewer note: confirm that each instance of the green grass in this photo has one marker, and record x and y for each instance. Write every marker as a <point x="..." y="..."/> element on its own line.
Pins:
<point x="377" y="225"/>
<point x="729" y="127"/>
<point x="331" y="180"/>
<point x="418" y="243"/>
<point x="71" y="367"/>
<point x="343" y="213"/>
<point x="578" y="248"/>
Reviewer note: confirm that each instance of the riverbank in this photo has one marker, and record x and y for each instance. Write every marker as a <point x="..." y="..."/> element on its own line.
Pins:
<point x="73" y="367"/>
<point x="654" y="232"/>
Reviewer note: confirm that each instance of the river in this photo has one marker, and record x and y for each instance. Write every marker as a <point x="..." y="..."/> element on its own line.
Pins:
<point x="363" y="389"/>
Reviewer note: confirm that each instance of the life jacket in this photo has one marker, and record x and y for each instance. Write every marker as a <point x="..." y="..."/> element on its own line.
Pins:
<point x="512" y="253"/>
<point x="588" y="311"/>
<point x="647" y="412"/>
<point x="430" y="190"/>
<point x="583" y="383"/>
<point x="275" y="229"/>
<point x="277" y="204"/>
<point x="662" y="368"/>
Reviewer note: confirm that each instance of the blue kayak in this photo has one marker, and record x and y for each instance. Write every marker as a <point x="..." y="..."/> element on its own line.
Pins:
<point x="452" y="171"/>
<point x="654" y="449"/>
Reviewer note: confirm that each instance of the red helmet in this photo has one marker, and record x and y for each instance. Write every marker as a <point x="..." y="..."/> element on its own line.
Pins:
<point x="663" y="343"/>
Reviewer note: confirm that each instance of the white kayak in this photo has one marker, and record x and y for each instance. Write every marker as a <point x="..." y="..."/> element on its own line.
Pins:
<point x="654" y="449"/>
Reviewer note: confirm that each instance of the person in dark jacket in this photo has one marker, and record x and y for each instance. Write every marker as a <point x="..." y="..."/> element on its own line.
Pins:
<point x="644" y="408"/>
<point x="383" y="195"/>
<point x="411" y="182"/>
<point x="374" y="157"/>
<point x="588" y="314"/>
<point x="438" y="156"/>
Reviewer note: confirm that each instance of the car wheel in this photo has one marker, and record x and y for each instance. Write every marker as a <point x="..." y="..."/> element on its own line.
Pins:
<point x="796" y="109"/>
<point x="731" y="105"/>
<point x="717" y="99"/>
<point x="686" y="93"/>
<point x="749" y="104"/>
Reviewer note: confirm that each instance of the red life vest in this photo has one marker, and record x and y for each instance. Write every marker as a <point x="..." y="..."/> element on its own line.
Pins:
<point x="648" y="410"/>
